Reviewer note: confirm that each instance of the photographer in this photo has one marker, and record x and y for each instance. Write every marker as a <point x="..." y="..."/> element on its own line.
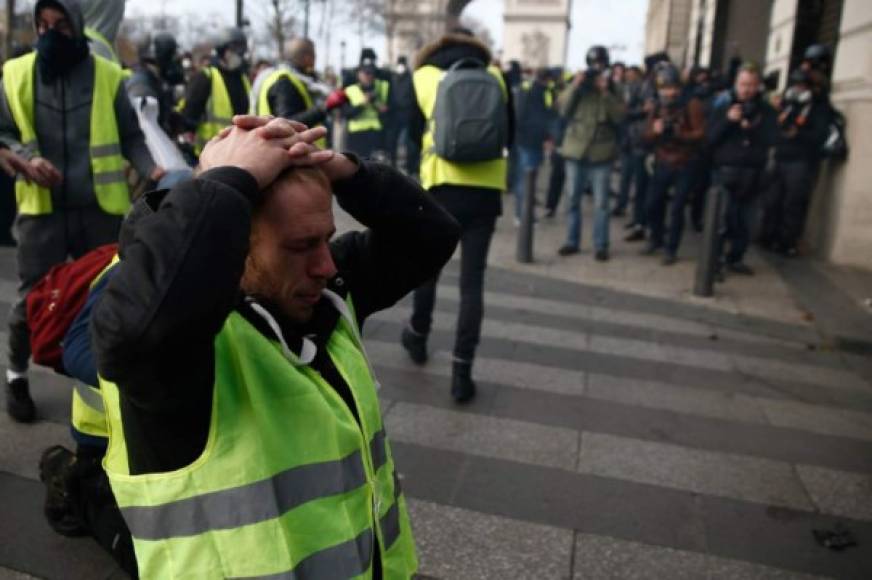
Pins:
<point x="741" y="130"/>
<point x="593" y="114"/>
<point x="802" y="124"/>
<point x="675" y="127"/>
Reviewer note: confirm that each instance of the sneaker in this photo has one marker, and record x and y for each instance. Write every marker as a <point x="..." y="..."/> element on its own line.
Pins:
<point x="651" y="249"/>
<point x="567" y="250"/>
<point x="19" y="405"/>
<point x="637" y="235"/>
<point x="549" y="213"/>
<point x="415" y="344"/>
<point x="669" y="259"/>
<point x="619" y="212"/>
<point x="740" y="268"/>
<point x="55" y="467"/>
<point x="602" y="255"/>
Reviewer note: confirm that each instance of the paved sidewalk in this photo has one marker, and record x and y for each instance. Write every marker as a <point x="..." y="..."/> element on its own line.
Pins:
<point x="623" y="429"/>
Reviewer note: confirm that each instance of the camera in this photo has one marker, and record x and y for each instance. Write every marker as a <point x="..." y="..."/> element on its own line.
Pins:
<point x="750" y="110"/>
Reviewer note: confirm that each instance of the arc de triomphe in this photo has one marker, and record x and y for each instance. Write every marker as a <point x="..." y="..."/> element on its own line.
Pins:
<point x="535" y="32"/>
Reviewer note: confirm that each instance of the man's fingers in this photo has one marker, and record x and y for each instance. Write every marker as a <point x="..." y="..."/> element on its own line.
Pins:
<point x="314" y="157"/>
<point x="250" y="122"/>
<point x="313" y="134"/>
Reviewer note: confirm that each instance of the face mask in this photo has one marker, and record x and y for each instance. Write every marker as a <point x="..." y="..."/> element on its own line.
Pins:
<point x="58" y="52"/>
<point x="233" y="60"/>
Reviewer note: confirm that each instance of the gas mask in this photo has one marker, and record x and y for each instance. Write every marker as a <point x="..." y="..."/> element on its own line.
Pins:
<point x="233" y="61"/>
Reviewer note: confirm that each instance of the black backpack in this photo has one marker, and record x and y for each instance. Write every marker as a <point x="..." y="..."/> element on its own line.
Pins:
<point x="469" y="116"/>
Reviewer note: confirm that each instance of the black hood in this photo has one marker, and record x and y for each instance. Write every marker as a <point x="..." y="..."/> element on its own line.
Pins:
<point x="73" y="10"/>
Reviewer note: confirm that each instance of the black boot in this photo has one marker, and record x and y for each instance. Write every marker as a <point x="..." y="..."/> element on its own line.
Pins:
<point x="415" y="344"/>
<point x="19" y="405"/>
<point x="56" y="470"/>
<point x="462" y="385"/>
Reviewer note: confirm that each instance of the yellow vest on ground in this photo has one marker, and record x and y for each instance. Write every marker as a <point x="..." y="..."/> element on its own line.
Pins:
<point x="368" y="119"/>
<point x="219" y="108"/>
<point x="107" y="164"/>
<point x="289" y="484"/>
<point x="262" y="106"/>
<point x="88" y="415"/>
<point x="438" y="171"/>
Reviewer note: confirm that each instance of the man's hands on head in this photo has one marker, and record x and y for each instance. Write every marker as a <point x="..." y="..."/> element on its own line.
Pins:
<point x="266" y="146"/>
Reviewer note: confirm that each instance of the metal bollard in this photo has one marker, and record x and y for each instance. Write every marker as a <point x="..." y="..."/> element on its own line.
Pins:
<point x="524" y="253"/>
<point x="708" y="262"/>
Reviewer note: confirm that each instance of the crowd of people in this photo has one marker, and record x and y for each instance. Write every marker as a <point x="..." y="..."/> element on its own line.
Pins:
<point x="224" y="398"/>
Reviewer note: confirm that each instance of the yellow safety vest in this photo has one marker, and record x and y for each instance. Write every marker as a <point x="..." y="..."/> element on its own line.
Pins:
<point x="547" y="94"/>
<point x="263" y="107"/>
<point x="219" y="109"/>
<point x="368" y="119"/>
<point x="107" y="164"/>
<point x="438" y="171"/>
<point x="95" y="35"/>
<point x="88" y="415"/>
<point x="289" y="485"/>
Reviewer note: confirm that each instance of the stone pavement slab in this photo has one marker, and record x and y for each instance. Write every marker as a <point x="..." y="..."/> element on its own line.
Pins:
<point x="458" y="543"/>
<point x="604" y="558"/>
<point x="838" y="492"/>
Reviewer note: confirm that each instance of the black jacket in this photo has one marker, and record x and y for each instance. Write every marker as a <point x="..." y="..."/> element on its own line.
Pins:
<point x="442" y="54"/>
<point x="153" y="330"/>
<point x="286" y="101"/>
<point x="200" y="89"/>
<point x="733" y="146"/>
<point x="805" y="145"/>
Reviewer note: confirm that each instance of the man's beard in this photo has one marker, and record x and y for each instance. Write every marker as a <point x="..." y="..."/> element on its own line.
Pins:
<point x="266" y="285"/>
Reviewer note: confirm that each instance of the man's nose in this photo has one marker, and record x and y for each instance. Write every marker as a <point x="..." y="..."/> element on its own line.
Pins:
<point x="321" y="264"/>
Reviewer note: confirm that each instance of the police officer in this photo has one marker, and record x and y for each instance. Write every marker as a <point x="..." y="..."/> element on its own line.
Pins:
<point x="156" y="75"/>
<point x="218" y="91"/>
<point x="66" y="111"/>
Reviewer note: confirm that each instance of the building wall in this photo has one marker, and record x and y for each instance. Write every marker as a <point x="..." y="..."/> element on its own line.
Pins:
<point x="706" y="10"/>
<point x="842" y="229"/>
<point x="535" y="32"/>
<point x="666" y="28"/>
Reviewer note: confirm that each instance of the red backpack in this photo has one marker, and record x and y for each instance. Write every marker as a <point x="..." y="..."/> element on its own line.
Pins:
<point x="55" y="301"/>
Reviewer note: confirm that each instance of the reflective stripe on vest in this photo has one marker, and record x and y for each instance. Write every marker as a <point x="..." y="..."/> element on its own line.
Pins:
<point x="289" y="485"/>
<point x="368" y="119"/>
<point x="88" y="414"/>
<point x="263" y="107"/>
<point x="95" y="35"/>
<point x="436" y="170"/>
<point x="219" y="108"/>
<point x="107" y="164"/>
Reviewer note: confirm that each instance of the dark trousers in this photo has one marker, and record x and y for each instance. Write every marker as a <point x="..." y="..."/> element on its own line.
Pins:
<point x="787" y="202"/>
<point x="44" y="241"/>
<point x="638" y="175"/>
<point x="741" y="188"/>
<point x="366" y="143"/>
<point x="556" y="180"/>
<point x="666" y="177"/>
<point x="475" y="237"/>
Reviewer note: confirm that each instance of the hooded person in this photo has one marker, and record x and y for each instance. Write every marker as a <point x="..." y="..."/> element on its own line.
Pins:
<point x="65" y="111"/>
<point x="102" y="20"/>
<point x="470" y="191"/>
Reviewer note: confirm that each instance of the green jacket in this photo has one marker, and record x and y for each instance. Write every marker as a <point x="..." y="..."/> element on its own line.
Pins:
<point x="592" y="130"/>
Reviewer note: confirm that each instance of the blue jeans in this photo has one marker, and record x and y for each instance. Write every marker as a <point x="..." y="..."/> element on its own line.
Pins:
<point x="666" y="176"/>
<point x="528" y="158"/>
<point x="579" y="173"/>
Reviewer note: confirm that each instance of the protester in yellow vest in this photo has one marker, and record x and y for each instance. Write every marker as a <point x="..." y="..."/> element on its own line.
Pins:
<point x="366" y="108"/>
<point x="245" y="433"/>
<point x="470" y="192"/>
<point x="67" y="113"/>
<point x="293" y="91"/>
<point x="218" y="91"/>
